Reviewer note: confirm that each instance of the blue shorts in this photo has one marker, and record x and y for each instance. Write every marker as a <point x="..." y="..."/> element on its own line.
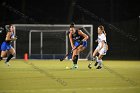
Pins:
<point x="77" y="43"/>
<point x="5" y="46"/>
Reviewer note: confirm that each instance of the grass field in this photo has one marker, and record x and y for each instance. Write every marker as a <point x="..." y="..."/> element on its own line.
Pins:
<point x="51" y="76"/>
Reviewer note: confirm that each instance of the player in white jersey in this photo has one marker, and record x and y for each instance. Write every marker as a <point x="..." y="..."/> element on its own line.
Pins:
<point x="101" y="49"/>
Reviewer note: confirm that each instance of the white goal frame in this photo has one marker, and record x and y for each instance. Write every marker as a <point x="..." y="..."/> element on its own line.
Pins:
<point x="59" y="25"/>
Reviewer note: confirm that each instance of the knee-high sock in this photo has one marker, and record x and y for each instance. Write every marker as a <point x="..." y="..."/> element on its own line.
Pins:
<point x="9" y="57"/>
<point x="75" y="59"/>
<point x="0" y="58"/>
<point x="99" y="62"/>
<point x="96" y="59"/>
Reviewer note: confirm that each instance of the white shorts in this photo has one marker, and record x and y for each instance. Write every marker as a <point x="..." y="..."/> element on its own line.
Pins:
<point x="103" y="51"/>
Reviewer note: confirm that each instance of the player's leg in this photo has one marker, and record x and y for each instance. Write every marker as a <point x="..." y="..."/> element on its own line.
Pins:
<point x="81" y="48"/>
<point x="93" y="58"/>
<point x="102" y="52"/>
<point x="3" y="50"/>
<point x="94" y="54"/>
<point x="99" y="60"/>
<point x="12" y="52"/>
<point x="75" y="58"/>
<point x="75" y="55"/>
<point x="77" y="51"/>
<point x="3" y="54"/>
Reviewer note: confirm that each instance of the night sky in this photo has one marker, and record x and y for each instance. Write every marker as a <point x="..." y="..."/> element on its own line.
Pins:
<point x="121" y="19"/>
<point x="65" y="11"/>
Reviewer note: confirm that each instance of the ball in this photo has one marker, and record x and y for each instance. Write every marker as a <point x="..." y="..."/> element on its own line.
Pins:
<point x="67" y="67"/>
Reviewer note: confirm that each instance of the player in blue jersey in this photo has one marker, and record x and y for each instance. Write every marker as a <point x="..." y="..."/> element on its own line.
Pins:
<point x="77" y="37"/>
<point x="6" y="45"/>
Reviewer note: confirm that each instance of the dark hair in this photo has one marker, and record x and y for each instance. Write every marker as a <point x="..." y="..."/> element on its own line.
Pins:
<point x="72" y="25"/>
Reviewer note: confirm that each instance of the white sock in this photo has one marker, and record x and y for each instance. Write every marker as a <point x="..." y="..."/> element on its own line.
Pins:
<point x="99" y="62"/>
<point x="96" y="59"/>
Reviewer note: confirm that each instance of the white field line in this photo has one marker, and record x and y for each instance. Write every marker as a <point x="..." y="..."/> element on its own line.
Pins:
<point x="69" y="89"/>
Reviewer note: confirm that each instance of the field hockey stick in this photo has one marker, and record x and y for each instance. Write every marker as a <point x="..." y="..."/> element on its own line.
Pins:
<point x="61" y="59"/>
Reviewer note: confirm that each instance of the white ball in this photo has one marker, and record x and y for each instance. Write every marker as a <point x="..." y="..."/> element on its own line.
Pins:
<point x="67" y="67"/>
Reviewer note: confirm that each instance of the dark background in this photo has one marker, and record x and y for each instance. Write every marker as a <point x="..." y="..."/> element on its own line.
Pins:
<point x="121" y="19"/>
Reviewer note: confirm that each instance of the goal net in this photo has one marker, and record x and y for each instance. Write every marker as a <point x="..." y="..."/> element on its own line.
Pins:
<point x="43" y="41"/>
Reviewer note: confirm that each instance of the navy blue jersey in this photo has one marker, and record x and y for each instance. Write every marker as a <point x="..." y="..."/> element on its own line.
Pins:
<point x="6" y="44"/>
<point x="77" y="37"/>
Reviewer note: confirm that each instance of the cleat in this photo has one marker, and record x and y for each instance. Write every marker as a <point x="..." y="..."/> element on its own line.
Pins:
<point x="99" y="67"/>
<point x="74" y="67"/>
<point x="7" y="63"/>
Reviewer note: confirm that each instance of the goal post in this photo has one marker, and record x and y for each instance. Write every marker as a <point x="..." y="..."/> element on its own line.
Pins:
<point x="43" y="41"/>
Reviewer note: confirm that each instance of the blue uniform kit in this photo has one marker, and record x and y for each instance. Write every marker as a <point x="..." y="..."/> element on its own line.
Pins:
<point x="6" y="44"/>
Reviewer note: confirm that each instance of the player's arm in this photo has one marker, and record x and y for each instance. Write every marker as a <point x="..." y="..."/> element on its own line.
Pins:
<point x="8" y="37"/>
<point x="83" y="34"/>
<point x="106" y="43"/>
<point x="106" y="46"/>
<point x="71" y="40"/>
<point x="104" y="32"/>
<point x="96" y="40"/>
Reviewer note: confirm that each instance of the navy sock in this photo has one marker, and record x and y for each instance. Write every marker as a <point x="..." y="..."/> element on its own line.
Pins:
<point x="75" y="59"/>
<point x="9" y="57"/>
<point x="0" y="58"/>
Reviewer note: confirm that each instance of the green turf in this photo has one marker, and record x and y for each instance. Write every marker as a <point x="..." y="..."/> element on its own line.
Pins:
<point x="50" y="76"/>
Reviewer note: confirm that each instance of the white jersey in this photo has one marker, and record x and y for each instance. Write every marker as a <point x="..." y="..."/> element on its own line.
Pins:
<point x="101" y="38"/>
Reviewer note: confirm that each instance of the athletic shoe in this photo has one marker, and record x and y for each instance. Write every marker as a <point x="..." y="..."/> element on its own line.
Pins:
<point x="99" y="67"/>
<point x="7" y="63"/>
<point x="74" y="67"/>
